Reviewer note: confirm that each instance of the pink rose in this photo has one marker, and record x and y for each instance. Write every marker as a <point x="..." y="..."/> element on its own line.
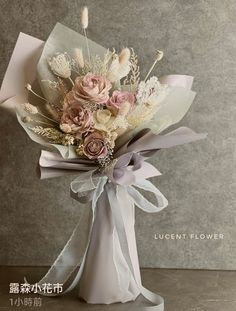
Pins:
<point x="70" y="100"/>
<point x="92" y="88"/>
<point x="95" y="146"/>
<point x="76" y="119"/>
<point x="119" y="100"/>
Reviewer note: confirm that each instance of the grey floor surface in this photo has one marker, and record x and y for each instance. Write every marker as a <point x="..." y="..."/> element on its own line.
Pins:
<point x="183" y="290"/>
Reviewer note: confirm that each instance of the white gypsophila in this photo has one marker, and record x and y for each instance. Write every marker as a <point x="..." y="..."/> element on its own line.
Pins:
<point x="119" y="122"/>
<point x="68" y="140"/>
<point x="53" y="85"/>
<point x="149" y="89"/>
<point x="60" y="65"/>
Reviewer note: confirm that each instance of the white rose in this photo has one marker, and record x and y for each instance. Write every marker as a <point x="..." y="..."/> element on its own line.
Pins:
<point x="103" y="120"/>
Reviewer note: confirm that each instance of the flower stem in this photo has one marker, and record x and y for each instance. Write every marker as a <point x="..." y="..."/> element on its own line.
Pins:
<point x="72" y="82"/>
<point x="37" y="95"/>
<point x="38" y="121"/>
<point x="47" y="117"/>
<point x="150" y="70"/>
<point x="86" y="39"/>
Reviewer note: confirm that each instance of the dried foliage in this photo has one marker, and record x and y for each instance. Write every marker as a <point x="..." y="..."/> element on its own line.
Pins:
<point x="133" y="77"/>
<point x="97" y="65"/>
<point x="53" y="135"/>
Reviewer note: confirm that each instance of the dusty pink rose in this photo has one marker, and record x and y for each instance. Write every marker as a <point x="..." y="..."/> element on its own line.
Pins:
<point x="118" y="100"/>
<point x="71" y="100"/>
<point x="95" y="146"/>
<point x="76" y="119"/>
<point x="92" y="88"/>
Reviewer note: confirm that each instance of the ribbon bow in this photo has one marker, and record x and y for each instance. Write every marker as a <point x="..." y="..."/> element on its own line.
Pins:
<point x="130" y="170"/>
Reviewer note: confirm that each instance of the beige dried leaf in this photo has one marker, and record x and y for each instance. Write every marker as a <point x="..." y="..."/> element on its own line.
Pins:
<point x="79" y="57"/>
<point x="118" y="70"/>
<point x="124" y="56"/>
<point x="52" y="134"/>
<point x="134" y="75"/>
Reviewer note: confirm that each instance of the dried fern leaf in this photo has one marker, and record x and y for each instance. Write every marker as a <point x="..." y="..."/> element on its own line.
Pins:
<point x="133" y="77"/>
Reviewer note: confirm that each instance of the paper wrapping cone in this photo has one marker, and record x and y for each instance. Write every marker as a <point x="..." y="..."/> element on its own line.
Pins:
<point x="100" y="279"/>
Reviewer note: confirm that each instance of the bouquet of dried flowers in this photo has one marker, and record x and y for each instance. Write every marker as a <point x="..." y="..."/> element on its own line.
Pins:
<point x="100" y="121"/>
<point x="103" y="100"/>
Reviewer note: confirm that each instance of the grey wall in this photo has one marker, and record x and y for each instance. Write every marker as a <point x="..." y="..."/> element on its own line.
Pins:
<point x="199" y="179"/>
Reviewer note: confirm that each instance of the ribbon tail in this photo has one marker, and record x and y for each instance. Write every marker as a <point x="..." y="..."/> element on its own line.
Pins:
<point x="156" y="299"/>
<point x="74" y="253"/>
<point x="115" y="196"/>
<point x="97" y="192"/>
<point x="69" y="258"/>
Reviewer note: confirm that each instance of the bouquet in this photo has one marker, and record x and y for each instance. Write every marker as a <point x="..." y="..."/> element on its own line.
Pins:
<point x="99" y="120"/>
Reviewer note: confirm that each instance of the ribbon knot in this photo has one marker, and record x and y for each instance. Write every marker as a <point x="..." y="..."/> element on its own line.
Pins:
<point x="129" y="170"/>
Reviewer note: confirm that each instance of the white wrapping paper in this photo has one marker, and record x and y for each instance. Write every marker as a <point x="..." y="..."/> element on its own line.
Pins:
<point x="102" y="278"/>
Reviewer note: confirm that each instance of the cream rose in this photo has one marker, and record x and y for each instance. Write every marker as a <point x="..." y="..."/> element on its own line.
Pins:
<point x="103" y="120"/>
<point x="113" y="126"/>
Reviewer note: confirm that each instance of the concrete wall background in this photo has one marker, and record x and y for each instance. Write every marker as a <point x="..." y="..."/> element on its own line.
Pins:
<point x="198" y="38"/>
